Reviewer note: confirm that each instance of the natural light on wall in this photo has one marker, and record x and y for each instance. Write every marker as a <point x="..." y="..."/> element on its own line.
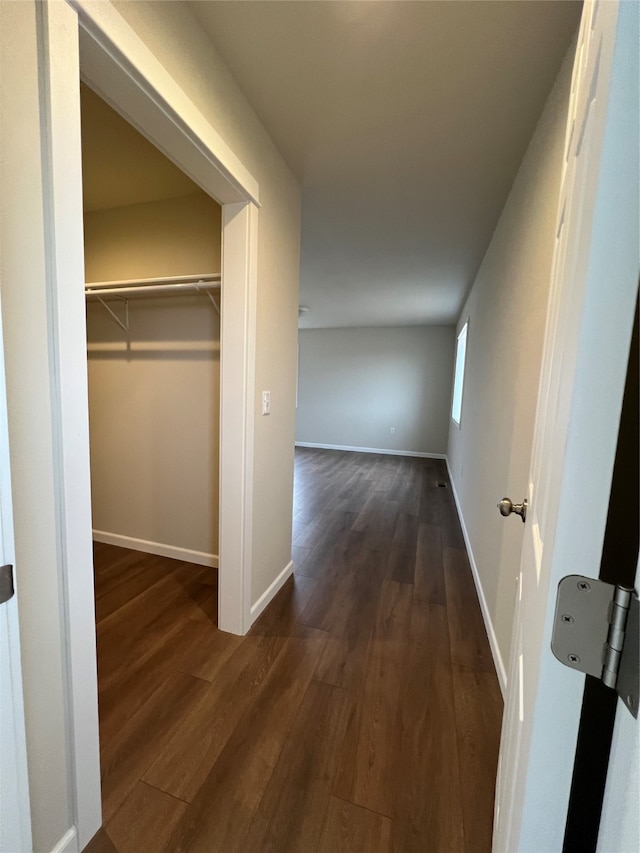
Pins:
<point x="458" y="379"/>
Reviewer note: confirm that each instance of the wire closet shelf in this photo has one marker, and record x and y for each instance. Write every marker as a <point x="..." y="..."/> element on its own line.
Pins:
<point x="98" y="291"/>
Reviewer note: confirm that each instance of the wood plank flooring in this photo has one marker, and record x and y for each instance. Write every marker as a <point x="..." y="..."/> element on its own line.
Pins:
<point x="360" y="715"/>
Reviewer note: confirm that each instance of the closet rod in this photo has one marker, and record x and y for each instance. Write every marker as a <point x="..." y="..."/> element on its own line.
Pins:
<point x="153" y="286"/>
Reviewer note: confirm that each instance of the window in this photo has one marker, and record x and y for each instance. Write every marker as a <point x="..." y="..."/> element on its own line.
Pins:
<point x="458" y="379"/>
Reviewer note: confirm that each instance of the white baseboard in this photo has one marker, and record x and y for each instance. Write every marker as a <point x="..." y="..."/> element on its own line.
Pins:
<point x="270" y="593"/>
<point x="68" y="843"/>
<point x="201" y="558"/>
<point x="383" y="451"/>
<point x="493" y="640"/>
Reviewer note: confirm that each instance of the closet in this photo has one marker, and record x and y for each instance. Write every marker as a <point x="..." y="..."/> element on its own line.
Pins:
<point x="152" y="263"/>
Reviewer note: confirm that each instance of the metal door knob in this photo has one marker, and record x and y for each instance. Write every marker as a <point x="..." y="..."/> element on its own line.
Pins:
<point x="506" y="507"/>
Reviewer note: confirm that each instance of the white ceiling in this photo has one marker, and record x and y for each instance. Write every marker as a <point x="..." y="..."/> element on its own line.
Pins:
<point x="406" y="123"/>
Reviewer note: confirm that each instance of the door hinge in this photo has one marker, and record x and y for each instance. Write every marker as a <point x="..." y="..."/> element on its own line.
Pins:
<point x="595" y="630"/>
<point x="6" y="583"/>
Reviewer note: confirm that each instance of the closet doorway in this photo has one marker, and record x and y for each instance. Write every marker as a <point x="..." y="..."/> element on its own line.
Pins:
<point x="152" y="241"/>
<point x="152" y="247"/>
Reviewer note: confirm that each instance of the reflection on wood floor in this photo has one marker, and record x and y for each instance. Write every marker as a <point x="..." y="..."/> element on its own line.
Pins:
<point x="361" y="713"/>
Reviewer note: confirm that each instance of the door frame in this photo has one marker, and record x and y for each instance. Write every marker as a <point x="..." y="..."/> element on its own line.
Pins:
<point x="119" y="67"/>
<point x="618" y="566"/>
<point x="93" y="41"/>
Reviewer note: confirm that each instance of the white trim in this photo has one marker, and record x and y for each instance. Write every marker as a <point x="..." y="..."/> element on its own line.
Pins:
<point x="121" y="68"/>
<point x="383" y="451"/>
<point x="187" y="555"/>
<point x="270" y="593"/>
<point x="68" y="843"/>
<point x="237" y="383"/>
<point x="488" y="624"/>
<point x="62" y="195"/>
<point x="458" y="378"/>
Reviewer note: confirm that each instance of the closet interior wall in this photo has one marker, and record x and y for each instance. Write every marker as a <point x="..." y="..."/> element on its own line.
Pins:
<point x="154" y="392"/>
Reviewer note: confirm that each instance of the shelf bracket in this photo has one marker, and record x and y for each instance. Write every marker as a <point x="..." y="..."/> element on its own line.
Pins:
<point x="596" y="630"/>
<point x="197" y="284"/>
<point x="213" y="302"/>
<point x="124" y="325"/>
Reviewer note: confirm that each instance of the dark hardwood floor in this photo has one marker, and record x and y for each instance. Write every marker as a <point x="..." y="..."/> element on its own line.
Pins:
<point x="361" y="713"/>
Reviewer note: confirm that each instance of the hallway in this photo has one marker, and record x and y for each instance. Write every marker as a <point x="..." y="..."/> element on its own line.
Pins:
<point x="361" y="713"/>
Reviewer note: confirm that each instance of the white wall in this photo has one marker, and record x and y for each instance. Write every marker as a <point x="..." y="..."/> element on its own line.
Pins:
<point x="169" y="237"/>
<point x="356" y="384"/>
<point x="31" y="434"/>
<point x="172" y="34"/>
<point x="489" y="454"/>
<point x="154" y="393"/>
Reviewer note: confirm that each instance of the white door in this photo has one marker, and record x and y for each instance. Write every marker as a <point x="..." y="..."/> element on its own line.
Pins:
<point x="589" y="322"/>
<point x="15" y="818"/>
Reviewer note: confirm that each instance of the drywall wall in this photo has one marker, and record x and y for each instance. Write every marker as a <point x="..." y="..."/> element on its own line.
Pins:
<point x="119" y="165"/>
<point x="356" y="385"/>
<point x="178" y="236"/>
<point x="489" y="453"/>
<point x="172" y="34"/>
<point x="26" y="332"/>
<point x="154" y="393"/>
